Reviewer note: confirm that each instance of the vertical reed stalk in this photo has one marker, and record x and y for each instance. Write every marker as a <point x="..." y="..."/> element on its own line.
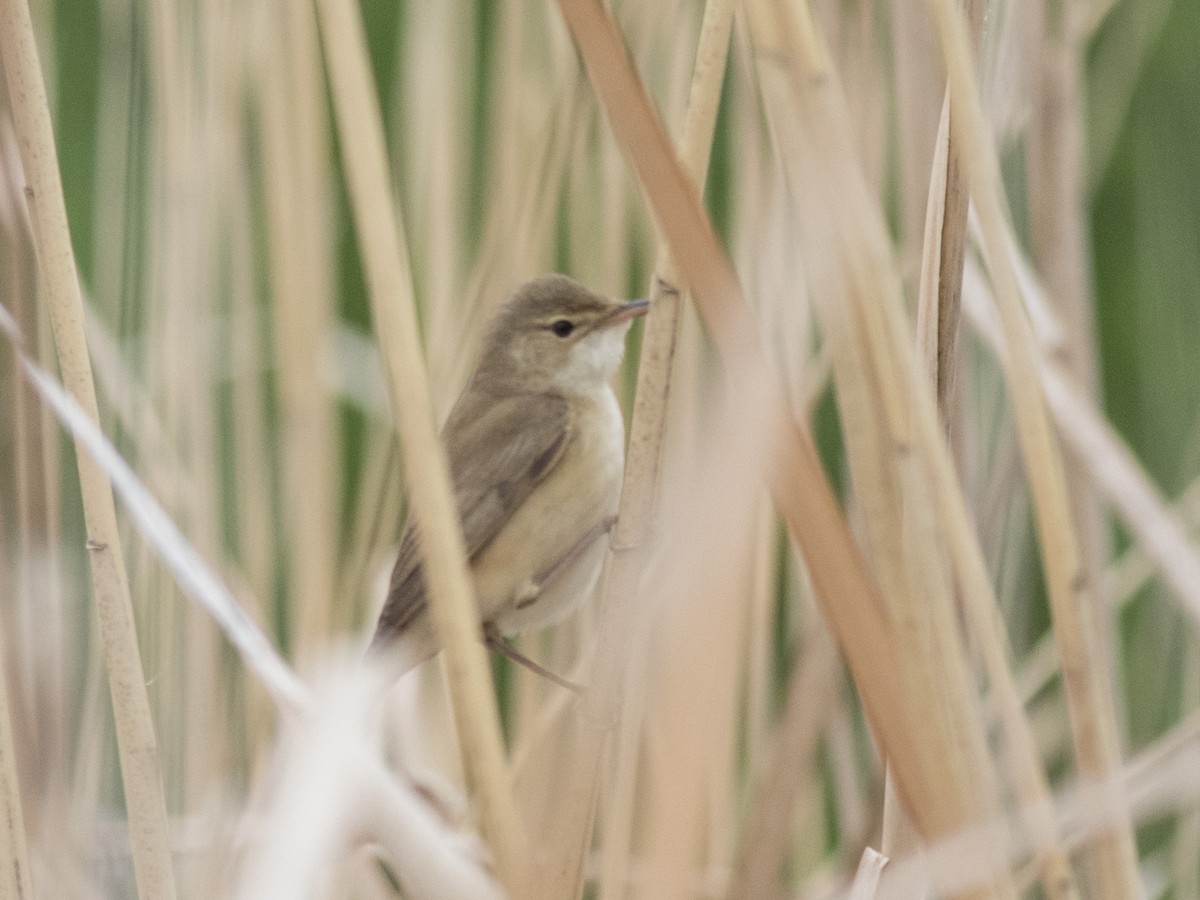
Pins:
<point x="939" y="311"/>
<point x="935" y="317"/>
<point x="1086" y="683"/>
<point x="136" y="741"/>
<point x="293" y="134"/>
<point x="15" y="872"/>
<point x="811" y="694"/>
<point x="36" y="590"/>
<point x="1058" y="242"/>
<point x="452" y="608"/>
<point x="639" y="491"/>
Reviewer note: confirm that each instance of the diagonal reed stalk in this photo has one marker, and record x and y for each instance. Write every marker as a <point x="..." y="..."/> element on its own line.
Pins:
<point x="140" y="768"/>
<point x="914" y="515"/>
<point x="850" y="598"/>
<point x="452" y="608"/>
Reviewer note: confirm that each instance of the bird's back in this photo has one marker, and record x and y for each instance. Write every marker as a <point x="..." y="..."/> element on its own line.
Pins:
<point x="499" y="448"/>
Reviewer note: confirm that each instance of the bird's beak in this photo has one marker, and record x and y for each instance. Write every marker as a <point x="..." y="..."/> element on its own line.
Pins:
<point x="630" y="309"/>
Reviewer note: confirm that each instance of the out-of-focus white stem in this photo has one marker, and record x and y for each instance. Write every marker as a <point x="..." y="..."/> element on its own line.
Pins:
<point x="333" y="793"/>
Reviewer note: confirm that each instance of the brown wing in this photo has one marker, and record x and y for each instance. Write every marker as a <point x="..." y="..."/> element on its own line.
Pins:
<point x="499" y="450"/>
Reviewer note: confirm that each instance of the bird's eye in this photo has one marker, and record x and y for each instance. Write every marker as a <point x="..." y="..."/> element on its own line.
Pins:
<point x="562" y="327"/>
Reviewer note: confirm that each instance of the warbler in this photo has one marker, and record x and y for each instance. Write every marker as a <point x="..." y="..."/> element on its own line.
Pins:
<point x="536" y="449"/>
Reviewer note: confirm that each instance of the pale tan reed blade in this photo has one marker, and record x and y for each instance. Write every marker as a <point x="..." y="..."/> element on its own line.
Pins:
<point x="34" y="579"/>
<point x="1056" y="167"/>
<point x="452" y="607"/>
<point x="140" y="767"/>
<point x="1087" y="682"/>
<point x="699" y="587"/>
<point x="811" y="695"/>
<point x="930" y="314"/>
<point x="939" y="305"/>
<point x="951" y="237"/>
<point x="294" y="131"/>
<point x="1185" y="853"/>
<point x="15" y="872"/>
<point x="639" y="491"/>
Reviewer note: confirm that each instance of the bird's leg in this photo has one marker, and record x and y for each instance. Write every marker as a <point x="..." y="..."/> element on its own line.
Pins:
<point x="555" y="570"/>
<point x="495" y="642"/>
<point x="529" y="593"/>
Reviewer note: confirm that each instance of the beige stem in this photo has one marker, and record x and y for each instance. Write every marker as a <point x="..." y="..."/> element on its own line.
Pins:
<point x="1072" y="599"/>
<point x="986" y="625"/>
<point x="15" y="874"/>
<point x="136" y="741"/>
<point x="849" y="596"/>
<point x="639" y="492"/>
<point x="452" y="606"/>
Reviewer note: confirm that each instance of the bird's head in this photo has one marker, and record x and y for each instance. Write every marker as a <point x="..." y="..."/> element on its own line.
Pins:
<point x="554" y="334"/>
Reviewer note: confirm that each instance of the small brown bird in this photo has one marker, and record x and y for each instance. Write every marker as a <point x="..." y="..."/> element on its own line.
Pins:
<point x="536" y="450"/>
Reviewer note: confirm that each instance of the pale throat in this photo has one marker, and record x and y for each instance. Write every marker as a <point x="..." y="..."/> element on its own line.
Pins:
<point x="592" y="361"/>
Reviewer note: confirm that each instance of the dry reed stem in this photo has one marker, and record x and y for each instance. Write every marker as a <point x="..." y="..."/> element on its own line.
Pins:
<point x="161" y="534"/>
<point x="1133" y="569"/>
<point x="940" y="292"/>
<point x="811" y="695"/>
<point x="619" y="824"/>
<point x="700" y="589"/>
<point x="1057" y="192"/>
<point x="850" y="598"/>
<point x="930" y="313"/>
<point x="452" y="607"/>
<point x="438" y="43"/>
<point x="950" y="254"/>
<point x="884" y="425"/>
<point x="37" y="586"/>
<point x="629" y="546"/>
<point x="937" y="327"/>
<point x="918" y="87"/>
<point x="137" y="745"/>
<point x="250" y="477"/>
<point x="1089" y="702"/>
<point x="293" y="135"/>
<point x="1186" y="846"/>
<point x="15" y="873"/>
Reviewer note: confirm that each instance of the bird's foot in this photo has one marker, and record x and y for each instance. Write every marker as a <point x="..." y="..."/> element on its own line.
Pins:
<point x="526" y="595"/>
<point x="556" y="569"/>
<point x="492" y="638"/>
